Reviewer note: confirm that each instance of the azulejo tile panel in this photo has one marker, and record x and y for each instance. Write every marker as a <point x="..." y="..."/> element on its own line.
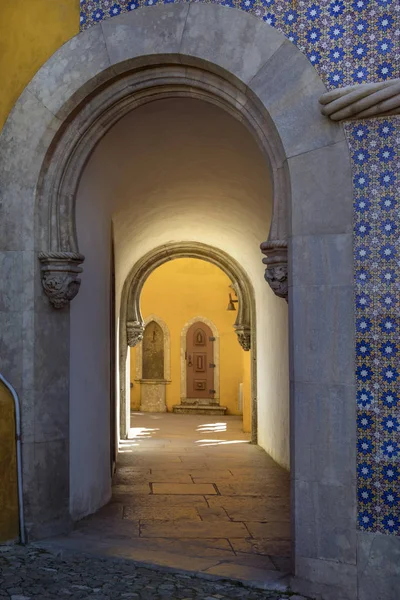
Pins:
<point x="352" y="42"/>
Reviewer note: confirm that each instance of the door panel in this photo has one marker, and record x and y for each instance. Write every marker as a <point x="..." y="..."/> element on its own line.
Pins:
<point x="200" y="362"/>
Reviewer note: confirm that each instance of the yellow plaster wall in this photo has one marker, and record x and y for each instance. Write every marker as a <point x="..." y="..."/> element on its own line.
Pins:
<point x="9" y="526"/>
<point x="30" y="32"/>
<point x="246" y="371"/>
<point x="177" y="292"/>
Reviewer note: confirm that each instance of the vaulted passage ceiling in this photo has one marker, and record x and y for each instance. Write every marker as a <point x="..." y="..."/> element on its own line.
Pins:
<point x="175" y="170"/>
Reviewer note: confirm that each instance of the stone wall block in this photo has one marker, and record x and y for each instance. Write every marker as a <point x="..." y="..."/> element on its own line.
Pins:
<point x="324" y="521"/>
<point x="81" y="59"/>
<point x="379" y="566"/>
<point x="293" y="101"/>
<point x="49" y="496"/>
<point x="16" y="223"/>
<point x="322" y="259"/>
<point x="27" y="403"/>
<point x="135" y="35"/>
<point x="325" y="579"/>
<point x="11" y="341"/>
<point x="24" y="140"/>
<point x="337" y="522"/>
<point x="322" y="200"/>
<point x="52" y="340"/>
<point x="11" y="270"/>
<point x="304" y="504"/>
<point x="324" y="433"/>
<point x="321" y="351"/>
<point x="27" y="356"/>
<point x="238" y="42"/>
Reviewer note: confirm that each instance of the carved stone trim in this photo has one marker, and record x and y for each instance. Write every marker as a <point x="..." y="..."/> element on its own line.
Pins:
<point x="362" y="101"/>
<point x="134" y="332"/>
<point x="59" y="272"/>
<point x="276" y="273"/>
<point x="244" y="337"/>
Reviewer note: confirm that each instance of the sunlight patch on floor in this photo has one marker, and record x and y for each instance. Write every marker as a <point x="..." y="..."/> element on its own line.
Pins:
<point x="219" y="442"/>
<point x="212" y="427"/>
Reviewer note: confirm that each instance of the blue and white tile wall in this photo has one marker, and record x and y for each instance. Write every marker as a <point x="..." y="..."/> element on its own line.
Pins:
<point x="352" y="42"/>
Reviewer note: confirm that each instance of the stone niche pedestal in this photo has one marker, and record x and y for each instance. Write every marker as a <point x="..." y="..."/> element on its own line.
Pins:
<point x="193" y="406"/>
<point x="152" y="395"/>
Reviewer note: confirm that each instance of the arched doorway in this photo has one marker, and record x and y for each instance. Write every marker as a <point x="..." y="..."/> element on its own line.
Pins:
<point x="244" y="324"/>
<point x="312" y="210"/>
<point x="200" y="354"/>
<point x="200" y="365"/>
<point x="178" y="294"/>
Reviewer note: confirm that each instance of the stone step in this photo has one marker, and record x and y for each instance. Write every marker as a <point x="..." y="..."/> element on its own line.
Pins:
<point x="199" y="409"/>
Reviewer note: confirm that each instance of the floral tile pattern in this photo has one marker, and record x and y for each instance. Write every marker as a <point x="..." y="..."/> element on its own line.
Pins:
<point x="352" y="42"/>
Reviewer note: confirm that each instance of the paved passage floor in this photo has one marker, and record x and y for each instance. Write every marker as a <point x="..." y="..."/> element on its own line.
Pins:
<point x="191" y="493"/>
<point x="27" y="573"/>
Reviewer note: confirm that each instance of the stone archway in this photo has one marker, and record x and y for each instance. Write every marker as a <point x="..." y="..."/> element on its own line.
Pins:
<point x="132" y="323"/>
<point x="264" y="81"/>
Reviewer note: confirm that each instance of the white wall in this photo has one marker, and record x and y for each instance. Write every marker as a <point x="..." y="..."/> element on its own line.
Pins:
<point x="176" y="170"/>
<point x="90" y="484"/>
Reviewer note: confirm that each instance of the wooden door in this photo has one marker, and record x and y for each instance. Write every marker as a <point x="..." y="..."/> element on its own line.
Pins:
<point x="200" y="362"/>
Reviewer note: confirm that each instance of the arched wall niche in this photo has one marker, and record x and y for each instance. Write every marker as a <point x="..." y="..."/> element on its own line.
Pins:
<point x="71" y="102"/>
<point x="132" y="323"/>
<point x="167" y="349"/>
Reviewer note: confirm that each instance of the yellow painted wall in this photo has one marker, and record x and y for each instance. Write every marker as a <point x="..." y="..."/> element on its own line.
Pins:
<point x="30" y="32"/>
<point x="177" y="292"/>
<point x="246" y="376"/>
<point x="9" y="526"/>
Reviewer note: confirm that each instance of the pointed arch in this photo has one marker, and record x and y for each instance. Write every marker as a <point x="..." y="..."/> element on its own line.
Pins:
<point x="167" y="348"/>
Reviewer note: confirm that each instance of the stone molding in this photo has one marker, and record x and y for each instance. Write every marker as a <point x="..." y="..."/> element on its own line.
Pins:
<point x="134" y="332"/>
<point x="155" y="258"/>
<point x="244" y="337"/>
<point x="276" y="261"/>
<point x="362" y="101"/>
<point x="132" y="322"/>
<point x="59" y="273"/>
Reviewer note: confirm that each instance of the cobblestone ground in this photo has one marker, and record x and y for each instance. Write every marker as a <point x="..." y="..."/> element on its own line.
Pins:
<point x="29" y="573"/>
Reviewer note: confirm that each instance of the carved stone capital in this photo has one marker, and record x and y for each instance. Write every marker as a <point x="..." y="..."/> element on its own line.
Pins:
<point x="276" y="273"/>
<point x="244" y="337"/>
<point x="362" y="101"/>
<point x="134" y="332"/>
<point x="59" y="271"/>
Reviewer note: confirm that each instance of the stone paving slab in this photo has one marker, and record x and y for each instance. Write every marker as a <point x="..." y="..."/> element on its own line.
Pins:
<point x="273" y="530"/>
<point x="138" y="488"/>
<point x="196" y="489"/>
<point x="165" y="501"/>
<point x="270" y="547"/>
<point x="30" y="573"/>
<point x="193" y="529"/>
<point x="212" y="514"/>
<point x="164" y="477"/>
<point x="171" y="513"/>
